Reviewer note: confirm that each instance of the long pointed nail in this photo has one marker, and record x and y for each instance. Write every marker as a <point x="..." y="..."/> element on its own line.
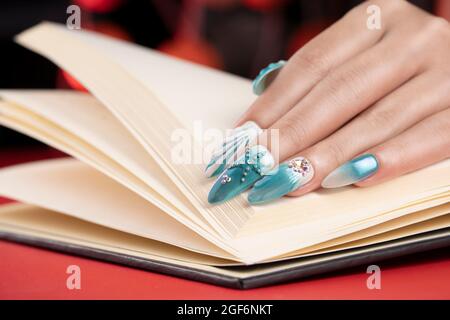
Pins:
<point x="266" y="76"/>
<point x="255" y="163"/>
<point x="352" y="171"/>
<point x="289" y="176"/>
<point x="232" y="147"/>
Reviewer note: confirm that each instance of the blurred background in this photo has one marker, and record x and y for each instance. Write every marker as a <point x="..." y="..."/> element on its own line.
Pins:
<point x="238" y="36"/>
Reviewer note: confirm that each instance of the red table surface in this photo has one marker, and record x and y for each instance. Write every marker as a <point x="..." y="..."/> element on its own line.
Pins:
<point x="34" y="273"/>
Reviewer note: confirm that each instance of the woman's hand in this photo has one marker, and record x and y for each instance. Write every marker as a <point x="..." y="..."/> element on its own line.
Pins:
<point x="382" y="96"/>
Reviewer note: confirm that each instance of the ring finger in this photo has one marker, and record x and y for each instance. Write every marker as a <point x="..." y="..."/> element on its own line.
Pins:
<point x="344" y="93"/>
<point x="384" y="120"/>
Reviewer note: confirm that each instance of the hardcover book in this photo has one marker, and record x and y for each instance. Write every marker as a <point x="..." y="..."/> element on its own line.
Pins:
<point x="121" y="197"/>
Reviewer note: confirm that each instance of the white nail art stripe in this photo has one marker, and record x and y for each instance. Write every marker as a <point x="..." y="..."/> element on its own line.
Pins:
<point x="234" y="146"/>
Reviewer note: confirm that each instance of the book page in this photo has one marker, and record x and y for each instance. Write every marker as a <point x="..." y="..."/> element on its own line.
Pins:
<point x="81" y="117"/>
<point x="304" y="236"/>
<point x="37" y="222"/>
<point x="29" y="220"/>
<point x="88" y="197"/>
<point x="142" y="111"/>
<point x="279" y="228"/>
<point x="47" y="133"/>
<point x="370" y="235"/>
<point x="74" y="188"/>
<point x="439" y="222"/>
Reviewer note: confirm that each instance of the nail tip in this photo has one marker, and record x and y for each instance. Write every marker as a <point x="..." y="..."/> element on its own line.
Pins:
<point x="251" y="198"/>
<point x="261" y="82"/>
<point x="213" y="200"/>
<point x="331" y="186"/>
<point x="217" y="171"/>
<point x="217" y="195"/>
<point x="352" y="171"/>
<point x="256" y="200"/>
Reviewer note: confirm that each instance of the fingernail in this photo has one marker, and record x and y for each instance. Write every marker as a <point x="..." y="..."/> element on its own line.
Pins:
<point x="253" y="165"/>
<point x="231" y="147"/>
<point x="289" y="176"/>
<point x="266" y="76"/>
<point x="352" y="171"/>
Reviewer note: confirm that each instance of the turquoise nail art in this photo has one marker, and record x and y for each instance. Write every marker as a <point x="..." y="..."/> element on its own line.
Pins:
<point x="218" y="171"/>
<point x="233" y="146"/>
<point x="352" y="171"/>
<point x="266" y="76"/>
<point x="256" y="162"/>
<point x="282" y="180"/>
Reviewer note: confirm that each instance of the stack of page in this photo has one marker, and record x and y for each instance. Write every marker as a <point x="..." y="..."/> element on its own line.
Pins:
<point x="122" y="198"/>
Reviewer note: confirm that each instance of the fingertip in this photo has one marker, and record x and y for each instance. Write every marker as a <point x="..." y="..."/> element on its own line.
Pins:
<point x="243" y="119"/>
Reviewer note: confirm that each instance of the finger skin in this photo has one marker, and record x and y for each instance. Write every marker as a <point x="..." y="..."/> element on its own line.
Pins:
<point x="371" y="100"/>
<point x="310" y="64"/>
<point x="424" y="144"/>
<point x="391" y="116"/>
<point x="344" y="93"/>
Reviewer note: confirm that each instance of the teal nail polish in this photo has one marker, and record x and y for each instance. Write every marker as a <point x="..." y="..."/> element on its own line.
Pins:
<point x="219" y="169"/>
<point x="352" y="171"/>
<point x="288" y="177"/>
<point x="266" y="76"/>
<point x="256" y="162"/>
<point x="232" y="146"/>
<point x="218" y="162"/>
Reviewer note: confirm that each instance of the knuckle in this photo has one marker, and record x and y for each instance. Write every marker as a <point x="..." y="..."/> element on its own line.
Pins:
<point x="388" y="5"/>
<point x="443" y="83"/>
<point x="358" y="11"/>
<point x="345" y="84"/>
<point x="336" y="154"/>
<point x="376" y="119"/>
<point x="441" y="129"/>
<point x="442" y="75"/>
<point x="313" y="59"/>
<point x="437" y="31"/>
<point x="437" y="25"/>
<point x="430" y="43"/>
<point x="294" y="132"/>
<point x="395" y="6"/>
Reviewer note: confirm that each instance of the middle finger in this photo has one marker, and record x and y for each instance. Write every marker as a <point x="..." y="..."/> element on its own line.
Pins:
<point x="343" y="94"/>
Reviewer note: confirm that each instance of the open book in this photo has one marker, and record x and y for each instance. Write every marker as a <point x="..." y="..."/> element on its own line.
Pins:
<point x="122" y="198"/>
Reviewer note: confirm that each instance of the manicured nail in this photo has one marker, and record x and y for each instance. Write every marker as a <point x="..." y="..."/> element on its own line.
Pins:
<point x="289" y="176"/>
<point x="352" y="171"/>
<point x="266" y="76"/>
<point x="254" y="164"/>
<point x="231" y="147"/>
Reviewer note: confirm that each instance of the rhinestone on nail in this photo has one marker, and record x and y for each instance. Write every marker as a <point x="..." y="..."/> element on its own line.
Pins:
<point x="225" y="179"/>
<point x="300" y="165"/>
